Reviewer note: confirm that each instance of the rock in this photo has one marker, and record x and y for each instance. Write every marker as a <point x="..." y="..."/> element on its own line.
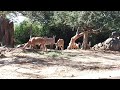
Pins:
<point x="114" y="44"/>
<point x="100" y="45"/>
<point x="20" y="45"/>
<point x="115" y="34"/>
<point x="108" y="41"/>
<point x="2" y="56"/>
<point x="109" y="44"/>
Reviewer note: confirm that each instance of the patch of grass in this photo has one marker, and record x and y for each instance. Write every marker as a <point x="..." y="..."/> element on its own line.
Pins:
<point x="54" y="54"/>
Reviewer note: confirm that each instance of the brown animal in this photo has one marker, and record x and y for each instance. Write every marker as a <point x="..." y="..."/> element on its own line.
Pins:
<point x="40" y="41"/>
<point x="50" y="41"/>
<point x="36" y="41"/>
<point x="73" y="46"/>
<point x="60" y="44"/>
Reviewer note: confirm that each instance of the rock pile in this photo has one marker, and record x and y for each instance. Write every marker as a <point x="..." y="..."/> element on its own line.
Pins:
<point x="112" y="43"/>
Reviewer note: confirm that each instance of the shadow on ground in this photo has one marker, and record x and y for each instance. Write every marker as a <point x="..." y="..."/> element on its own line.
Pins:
<point x="57" y="61"/>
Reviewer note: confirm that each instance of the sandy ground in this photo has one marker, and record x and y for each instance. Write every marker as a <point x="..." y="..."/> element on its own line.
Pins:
<point x="66" y="64"/>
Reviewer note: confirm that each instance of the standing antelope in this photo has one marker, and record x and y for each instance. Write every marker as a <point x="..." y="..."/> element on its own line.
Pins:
<point x="50" y="41"/>
<point x="36" y="41"/>
<point x="40" y="41"/>
<point x="60" y="44"/>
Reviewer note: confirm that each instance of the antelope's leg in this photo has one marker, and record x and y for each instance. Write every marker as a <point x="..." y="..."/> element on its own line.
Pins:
<point x="44" y="46"/>
<point x="50" y="46"/>
<point x="25" y="45"/>
<point x="56" y="47"/>
<point x="63" y="47"/>
<point x="32" y="46"/>
<point x="40" y="46"/>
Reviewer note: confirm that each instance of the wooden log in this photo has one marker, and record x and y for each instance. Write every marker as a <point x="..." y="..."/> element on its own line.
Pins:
<point x="72" y="44"/>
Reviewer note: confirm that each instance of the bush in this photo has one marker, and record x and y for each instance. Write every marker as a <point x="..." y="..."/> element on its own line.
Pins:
<point x="22" y="31"/>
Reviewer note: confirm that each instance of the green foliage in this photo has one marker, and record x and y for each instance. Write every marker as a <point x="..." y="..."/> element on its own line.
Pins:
<point x="44" y="17"/>
<point x="61" y="23"/>
<point x="22" y="31"/>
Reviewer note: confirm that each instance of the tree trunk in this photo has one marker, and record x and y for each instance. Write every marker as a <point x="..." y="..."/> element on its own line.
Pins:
<point x="6" y="32"/>
<point x="85" y="40"/>
<point x="73" y="39"/>
<point x="12" y="34"/>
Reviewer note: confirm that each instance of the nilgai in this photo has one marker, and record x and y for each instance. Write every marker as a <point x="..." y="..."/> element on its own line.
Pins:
<point x="40" y="41"/>
<point x="60" y="44"/>
<point x="36" y="41"/>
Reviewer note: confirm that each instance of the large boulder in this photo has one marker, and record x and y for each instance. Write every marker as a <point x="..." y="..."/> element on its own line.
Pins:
<point x="109" y="44"/>
<point x="115" y="34"/>
<point x="114" y="44"/>
<point x="108" y="41"/>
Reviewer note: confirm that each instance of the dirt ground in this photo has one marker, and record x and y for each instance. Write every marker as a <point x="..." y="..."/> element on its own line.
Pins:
<point x="67" y="64"/>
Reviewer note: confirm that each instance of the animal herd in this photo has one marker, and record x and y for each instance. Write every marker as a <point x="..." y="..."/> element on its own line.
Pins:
<point x="43" y="41"/>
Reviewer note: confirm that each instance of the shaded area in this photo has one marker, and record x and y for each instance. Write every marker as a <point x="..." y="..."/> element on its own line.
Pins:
<point x="57" y="61"/>
<point x="59" y="58"/>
